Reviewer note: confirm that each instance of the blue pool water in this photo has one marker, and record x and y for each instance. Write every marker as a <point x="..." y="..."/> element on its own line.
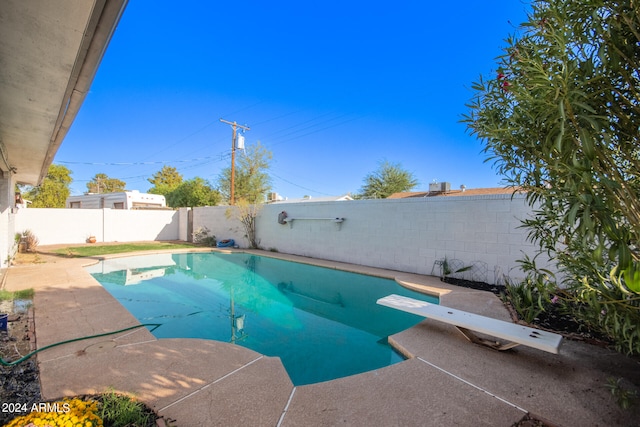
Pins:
<point x="322" y="323"/>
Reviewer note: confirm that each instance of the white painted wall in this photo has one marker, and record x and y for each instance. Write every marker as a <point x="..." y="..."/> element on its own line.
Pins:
<point x="183" y="218"/>
<point x="138" y="225"/>
<point x="58" y="226"/>
<point x="7" y="218"/>
<point x="221" y="222"/>
<point x="401" y="234"/>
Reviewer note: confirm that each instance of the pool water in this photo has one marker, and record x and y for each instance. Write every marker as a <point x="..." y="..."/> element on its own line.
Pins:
<point x="322" y="323"/>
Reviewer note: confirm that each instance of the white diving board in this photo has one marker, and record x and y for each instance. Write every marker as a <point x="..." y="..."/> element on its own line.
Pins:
<point x="467" y="322"/>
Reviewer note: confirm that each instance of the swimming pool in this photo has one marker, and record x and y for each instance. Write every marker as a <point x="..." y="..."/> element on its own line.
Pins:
<point x="322" y="323"/>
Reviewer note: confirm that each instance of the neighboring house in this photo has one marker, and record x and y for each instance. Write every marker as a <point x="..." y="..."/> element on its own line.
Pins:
<point x="449" y="193"/>
<point x="119" y="200"/>
<point x="50" y="54"/>
<point x="315" y="199"/>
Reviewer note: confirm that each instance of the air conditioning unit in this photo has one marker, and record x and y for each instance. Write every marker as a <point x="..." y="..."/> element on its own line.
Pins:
<point x="439" y="187"/>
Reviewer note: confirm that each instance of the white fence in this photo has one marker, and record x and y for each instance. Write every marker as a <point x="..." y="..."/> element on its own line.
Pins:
<point x="53" y="226"/>
<point x="402" y="234"/>
<point x="409" y="235"/>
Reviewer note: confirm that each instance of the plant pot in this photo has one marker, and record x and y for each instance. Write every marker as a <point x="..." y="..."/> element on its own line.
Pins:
<point x="91" y="239"/>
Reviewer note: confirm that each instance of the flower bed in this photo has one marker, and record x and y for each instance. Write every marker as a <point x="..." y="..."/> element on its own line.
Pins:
<point x="109" y="409"/>
<point x="67" y="412"/>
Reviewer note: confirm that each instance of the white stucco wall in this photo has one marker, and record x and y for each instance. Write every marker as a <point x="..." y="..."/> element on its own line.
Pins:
<point x="402" y="234"/>
<point x="137" y="225"/>
<point x="7" y="218"/>
<point x="221" y="222"/>
<point x="183" y="230"/>
<point x="58" y="226"/>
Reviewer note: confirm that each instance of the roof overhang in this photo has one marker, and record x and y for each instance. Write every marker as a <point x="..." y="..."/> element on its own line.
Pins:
<point x="49" y="55"/>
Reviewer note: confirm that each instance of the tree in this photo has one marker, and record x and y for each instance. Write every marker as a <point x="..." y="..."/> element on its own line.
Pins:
<point x="560" y="120"/>
<point x="101" y="183"/>
<point x="165" y="180"/>
<point x="252" y="182"/>
<point x="389" y="178"/>
<point x="54" y="190"/>
<point x="193" y="192"/>
<point x="246" y="213"/>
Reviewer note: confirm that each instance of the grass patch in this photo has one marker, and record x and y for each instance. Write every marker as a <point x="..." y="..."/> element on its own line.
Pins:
<point x="119" y="410"/>
<point x="23" y="294"/>
<point x="6" y="295"/>
<point x="94" y="250"/>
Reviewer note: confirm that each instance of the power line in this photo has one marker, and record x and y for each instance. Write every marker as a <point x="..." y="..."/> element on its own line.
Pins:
<point x="299" y="130"/>
<point x="200" y="130"/>
<point x="221" y="156"/>
<point x="276" y="118"/>
<point x="299" y="186"/>
<point x="144" y="177"/>
<point x="317" y="130"/>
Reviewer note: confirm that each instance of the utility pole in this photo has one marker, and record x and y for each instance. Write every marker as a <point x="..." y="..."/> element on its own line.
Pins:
<point x="234" y="126"/>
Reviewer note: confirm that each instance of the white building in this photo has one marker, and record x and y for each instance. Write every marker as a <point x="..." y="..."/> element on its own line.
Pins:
<point x="120" y="200"/>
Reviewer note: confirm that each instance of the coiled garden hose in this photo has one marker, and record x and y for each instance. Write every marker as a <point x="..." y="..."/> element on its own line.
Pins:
<point x="23" y="358"/>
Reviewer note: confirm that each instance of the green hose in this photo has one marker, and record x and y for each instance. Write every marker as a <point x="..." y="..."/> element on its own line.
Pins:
<point x="23" y="358"/>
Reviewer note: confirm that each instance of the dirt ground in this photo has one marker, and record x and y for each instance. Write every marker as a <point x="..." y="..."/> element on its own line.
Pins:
<point x="18" y="340"/>
<point x="19" y="383"/>
<point x="35" y="258"/>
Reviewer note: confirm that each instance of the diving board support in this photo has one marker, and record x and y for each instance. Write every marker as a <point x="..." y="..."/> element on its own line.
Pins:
<point x="469" y="323"/>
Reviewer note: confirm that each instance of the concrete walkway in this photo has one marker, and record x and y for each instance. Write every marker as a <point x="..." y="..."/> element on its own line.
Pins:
<point x="447" y="381"/>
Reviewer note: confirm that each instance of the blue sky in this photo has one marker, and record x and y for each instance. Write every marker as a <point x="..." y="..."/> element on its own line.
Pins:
<point x="331" y="88"/>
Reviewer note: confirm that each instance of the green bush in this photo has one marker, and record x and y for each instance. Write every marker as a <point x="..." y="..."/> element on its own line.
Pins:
<point x="528" y="298"/>
<point x="120" y="410"/>
<point x="560" y="120"/>
<point x="201" y="237"/>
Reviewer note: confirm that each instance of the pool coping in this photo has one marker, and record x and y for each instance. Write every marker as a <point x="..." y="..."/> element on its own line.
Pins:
<point x="198" y="382"/>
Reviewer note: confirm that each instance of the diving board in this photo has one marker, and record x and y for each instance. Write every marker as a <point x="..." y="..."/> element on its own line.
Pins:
<point x="468" y="323"/>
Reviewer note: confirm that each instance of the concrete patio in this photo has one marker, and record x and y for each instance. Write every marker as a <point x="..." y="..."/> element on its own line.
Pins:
<point x="447" y="380"/>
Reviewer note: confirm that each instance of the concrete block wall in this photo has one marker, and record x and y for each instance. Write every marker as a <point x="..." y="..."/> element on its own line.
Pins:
<point x="59" y="226"/>
<point x="402" y="234"/>
<point x="222" y="222"/>
<point x="139" y="225"/>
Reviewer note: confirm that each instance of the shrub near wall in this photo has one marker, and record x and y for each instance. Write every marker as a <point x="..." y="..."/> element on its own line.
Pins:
<point x="220" y="225"/>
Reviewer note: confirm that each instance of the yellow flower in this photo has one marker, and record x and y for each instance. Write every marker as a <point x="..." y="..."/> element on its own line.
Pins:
<point x="73" y="413"/>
